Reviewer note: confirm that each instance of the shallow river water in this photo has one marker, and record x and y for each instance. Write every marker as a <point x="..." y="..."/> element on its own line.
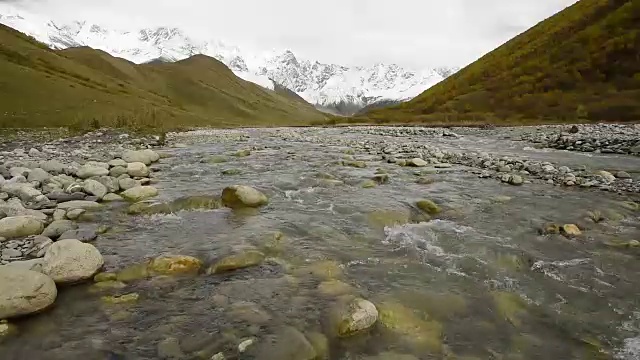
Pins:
<point x="476" y="281"/>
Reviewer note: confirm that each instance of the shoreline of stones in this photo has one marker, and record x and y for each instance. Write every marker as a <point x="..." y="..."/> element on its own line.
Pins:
<point x="418" y="153"/>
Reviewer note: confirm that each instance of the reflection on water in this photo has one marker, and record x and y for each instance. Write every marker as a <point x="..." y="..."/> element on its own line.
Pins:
<point x="476" y="281"/>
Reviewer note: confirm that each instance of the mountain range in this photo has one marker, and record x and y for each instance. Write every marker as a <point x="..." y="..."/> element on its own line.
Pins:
<point x="332" y="88"/>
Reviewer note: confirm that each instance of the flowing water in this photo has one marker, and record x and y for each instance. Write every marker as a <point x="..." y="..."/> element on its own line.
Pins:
<point x="475" y="282"/>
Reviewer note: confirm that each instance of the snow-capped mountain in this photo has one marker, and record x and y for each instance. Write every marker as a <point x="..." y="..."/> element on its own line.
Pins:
<point x="328" y="86"/>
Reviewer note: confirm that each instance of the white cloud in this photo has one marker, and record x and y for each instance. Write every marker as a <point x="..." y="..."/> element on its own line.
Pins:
<point x="416" y="33"/>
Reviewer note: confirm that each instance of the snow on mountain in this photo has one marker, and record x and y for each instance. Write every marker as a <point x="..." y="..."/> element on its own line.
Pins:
<point x="325" y="85"/>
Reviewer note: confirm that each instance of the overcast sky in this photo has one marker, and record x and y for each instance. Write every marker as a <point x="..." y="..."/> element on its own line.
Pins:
<point x="415" y="33"/>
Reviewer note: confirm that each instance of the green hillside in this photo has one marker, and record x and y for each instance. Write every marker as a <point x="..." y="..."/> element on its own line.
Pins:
<point x="583" y="64"/>
<point x="83" y="87"/>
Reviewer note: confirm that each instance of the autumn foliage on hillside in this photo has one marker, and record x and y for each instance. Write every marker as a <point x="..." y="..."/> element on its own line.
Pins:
<point x="583" y="64"/>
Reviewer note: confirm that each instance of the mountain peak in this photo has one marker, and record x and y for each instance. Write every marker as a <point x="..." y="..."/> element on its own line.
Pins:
<point x="322" y="84"/>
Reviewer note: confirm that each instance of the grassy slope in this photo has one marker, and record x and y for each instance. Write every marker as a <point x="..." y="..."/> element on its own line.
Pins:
<point x="85" y="87"/>
<point x="581" y="64"/>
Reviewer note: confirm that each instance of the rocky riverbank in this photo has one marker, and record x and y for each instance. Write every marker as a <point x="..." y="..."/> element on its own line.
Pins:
<point x="49" y="196"/>
<point x="392" y="148"/>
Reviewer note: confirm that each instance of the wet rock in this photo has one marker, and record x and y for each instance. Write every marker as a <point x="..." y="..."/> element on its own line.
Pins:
<point x="139" y="193"/>
<point x="355" y="164"/>
<point x="69" y="261"/>
<point x="381" y="178"/>
<point x="368" y="184"/>
<point x="134" y="272"/>
<point x="107" y="285"/>
<point x="121" y="299"/>
<point x="230" y="172"/>
<point x="20" y="226"/>
<point x="137" y="169"/>
<point x="429" y="207"/>
<point x="570" y="230"/>
<point x="79" y="204"/>
<point x="239" y="196"/>
<point x="607" y="176"/>
<point x="24" y="292"/>
<point x="623" y="175"/>
<point x="242" y="153"/>
<point x="26" y="192"/>
<point x="355" y="316"/>
<point x="287" y="344"/>
<point x="241" y="260"/>
<point x="217" y="159"/>
<point x="509" y="306"/>
<point x="334" y="288"/>
<point x="105" y="276"/>
<point x="58" y="227"/>
<point x="174" y="265"/>
<point x="249" y="312"/>
<point x="83" y="235"/>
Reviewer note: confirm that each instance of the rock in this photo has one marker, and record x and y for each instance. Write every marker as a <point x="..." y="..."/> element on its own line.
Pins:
<point x="355" y="316"/>
<point x="58" y="227"/>
<point x="59" y="214"/>
<point x="120" y="299"/>
<point x="355" y="164"/>
<point x="139" y="193"/>
<point x="242" y="153"/>
<point x="38" y="175"/>
<point x="24" y="292"/>
<point x="32" y="265"/>
<point x="75" y="213"/>
<point x="442" y="166"/>
<point x="230" y="172"/>
<point x="112" y="197"/>
<point x="417" y="162"/>
<point x="414" y="327"/>
<point x="174" y="265"/>
<point x="516" y="180"/>
<point x="53" y="166"/>
<point x="127" y="183"/>
<point x="117" y="162"/>
<point x="381" y="178"/>
<point x="169" y="348"/>
<point x="334" y="288"/>
<point x="20" y="226"/>
<point x="287" y="344"/>
<point x="111" y="183"/>
<point x="570" y="230"/>
<point x="26" y="192"/>
<point x="61" y="196"/>
<point x="107" y="285"/>
<point x="83" y="235"/>
<point x="368" y="184"/>
<point x="623" y="175"/>
<point x="217" y="159"/>
<point x="79" y="204"/>
<point x="18" y="171"/>
<point x="429" y="207"/>
<point x="137" y="169"/>
<point x="239" y="196"/>
<point x="244" y="345"/>
<point x="93" y="187"/>
<point x="70" y="261"/>
<point x="607" y="176"/>
<point x="143" y="156"/>
<point x="87" y="171"/>
<point x="118" y="170"/>
<point x="241" y="260"/>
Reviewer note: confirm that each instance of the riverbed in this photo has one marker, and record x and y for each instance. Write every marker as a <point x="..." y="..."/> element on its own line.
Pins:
<point x="478" y="279"/>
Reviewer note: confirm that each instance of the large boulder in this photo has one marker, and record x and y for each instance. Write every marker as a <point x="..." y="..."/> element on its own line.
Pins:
<point x="20" y="226"/>
<point x="24" y="292"/>
<point x="239" y="196"/>
<point x="90" y="170"/>
<point x="69" y="261"/>
<point x="139" y="193"/>
<point x="137" y="169"/>
<point x="95" y="188"/>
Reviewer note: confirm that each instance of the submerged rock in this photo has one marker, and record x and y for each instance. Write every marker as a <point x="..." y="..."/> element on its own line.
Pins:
<point x="355" y="316"/>
<point x="428" y="206"/>
<point x="413" y="326"/>
<point x="241" y="260"/>
<point x="188" y="203"/>
<point x="24" y="292"/>
<point x="570" y="230"/>
<point x="238" y="196"/>
<point x="286" y="344"/>
<point x="121" y="299"/>
<point x="174" y="265"/>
